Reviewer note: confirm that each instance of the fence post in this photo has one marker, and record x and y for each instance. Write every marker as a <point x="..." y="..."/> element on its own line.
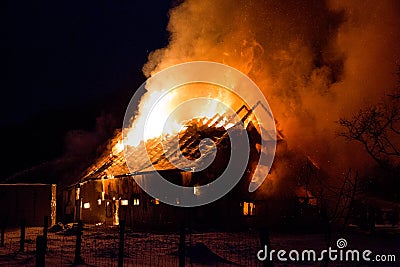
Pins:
<point x="45" y="226"/>
<point x="181" y="249"/>
<point x="22" y="237"/>
<point x="40" y="251"/>
<point x="265" y="236"/>
<point x="78" y="258"/>
<point x="121" y="243"/>
<point x="265" y="241"/>
<point x="3" y="229"/>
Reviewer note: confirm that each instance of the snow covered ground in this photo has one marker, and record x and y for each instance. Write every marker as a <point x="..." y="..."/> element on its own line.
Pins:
<point x="100" y="247"/>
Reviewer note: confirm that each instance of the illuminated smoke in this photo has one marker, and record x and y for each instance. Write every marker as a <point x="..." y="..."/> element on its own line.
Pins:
<point x="315" y="61"/>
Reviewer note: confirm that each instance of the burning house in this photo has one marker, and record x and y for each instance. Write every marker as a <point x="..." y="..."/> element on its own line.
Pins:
<point x="190" y="145"/>
<point x="108" y="191"/>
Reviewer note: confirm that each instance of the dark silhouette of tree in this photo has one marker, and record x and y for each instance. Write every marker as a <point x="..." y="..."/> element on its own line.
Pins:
<point x="377" y="128"/>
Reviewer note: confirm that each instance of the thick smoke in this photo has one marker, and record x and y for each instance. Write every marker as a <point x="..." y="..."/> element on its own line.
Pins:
<point x="84" y="143"/>
<point x="315" y="61"/>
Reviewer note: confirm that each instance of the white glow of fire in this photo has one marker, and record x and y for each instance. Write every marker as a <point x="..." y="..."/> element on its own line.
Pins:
<point x="156" y="107"/>
<point x="119" y="146"/>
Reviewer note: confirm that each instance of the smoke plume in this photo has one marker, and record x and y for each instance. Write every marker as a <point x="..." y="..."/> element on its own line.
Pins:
<point x="315" y="61"/>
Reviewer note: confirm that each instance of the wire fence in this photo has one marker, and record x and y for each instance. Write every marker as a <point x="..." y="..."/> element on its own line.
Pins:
<point x="101" y="246"/>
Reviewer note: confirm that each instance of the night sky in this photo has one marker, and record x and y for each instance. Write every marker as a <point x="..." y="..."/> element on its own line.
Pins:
<point x="66" y="64"/>
<point x="70" y="68"/>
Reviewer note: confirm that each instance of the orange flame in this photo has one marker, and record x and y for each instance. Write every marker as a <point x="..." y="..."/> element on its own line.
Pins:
<point x="156" y="107"/>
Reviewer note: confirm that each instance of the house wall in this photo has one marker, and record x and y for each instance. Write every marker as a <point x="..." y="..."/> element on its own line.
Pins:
<point x="101" y="201"/>
<point x="106" y="198"/>
<point x="29" y="202"/>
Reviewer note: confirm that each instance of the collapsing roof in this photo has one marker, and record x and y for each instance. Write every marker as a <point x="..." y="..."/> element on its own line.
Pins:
<point x="159" y="151"/>
<point x="166" y="153"/>
<point x="162" y="152"/>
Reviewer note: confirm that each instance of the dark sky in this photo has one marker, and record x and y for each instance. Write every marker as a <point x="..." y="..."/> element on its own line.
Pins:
<point x="66" y="63"/>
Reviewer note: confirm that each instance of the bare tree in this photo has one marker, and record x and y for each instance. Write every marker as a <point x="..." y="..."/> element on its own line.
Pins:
<point x="377" y="128"/>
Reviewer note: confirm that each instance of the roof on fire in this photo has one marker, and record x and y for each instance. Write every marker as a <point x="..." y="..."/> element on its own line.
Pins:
<point x="113" y="163"/>
<point x="161" y="154"/>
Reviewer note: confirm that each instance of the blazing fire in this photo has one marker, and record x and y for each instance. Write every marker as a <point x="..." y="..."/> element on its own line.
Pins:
<point x="319" y="68"/>
<point x="119" y="146"/>
<point x="315" y="61"/>
<point x="166" y="110"/>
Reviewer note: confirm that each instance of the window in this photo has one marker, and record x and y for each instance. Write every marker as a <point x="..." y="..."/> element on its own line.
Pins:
<point x="86" y="205"/>
<point x="249" y="209"/>
<point x="124" y="202"/>
<point x="135" y="199"/>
